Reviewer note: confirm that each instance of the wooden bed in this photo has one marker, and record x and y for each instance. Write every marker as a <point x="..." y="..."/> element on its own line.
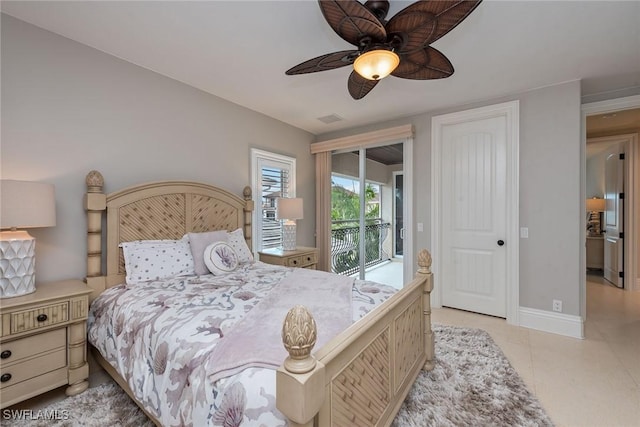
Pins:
<point x="359" y="378"/>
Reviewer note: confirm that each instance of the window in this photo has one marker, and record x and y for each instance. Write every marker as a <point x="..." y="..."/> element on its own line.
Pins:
<point x="273" y="176"/>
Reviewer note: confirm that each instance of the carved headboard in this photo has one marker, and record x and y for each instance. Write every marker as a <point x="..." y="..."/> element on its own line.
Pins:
<point x="157" y="210"/>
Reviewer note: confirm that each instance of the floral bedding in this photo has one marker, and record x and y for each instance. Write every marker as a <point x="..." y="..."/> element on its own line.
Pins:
<point x="158" y="334"/>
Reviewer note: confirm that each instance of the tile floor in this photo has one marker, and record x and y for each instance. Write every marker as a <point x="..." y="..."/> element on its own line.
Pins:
<point x="389" y="273"/>
<point x="591" y="382"/>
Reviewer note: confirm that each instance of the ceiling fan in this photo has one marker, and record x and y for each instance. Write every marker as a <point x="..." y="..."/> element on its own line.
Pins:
<point x="399" y="47"/>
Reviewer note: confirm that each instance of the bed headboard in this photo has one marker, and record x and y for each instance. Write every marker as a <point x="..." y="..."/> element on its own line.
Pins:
<point x="156" y="210"/>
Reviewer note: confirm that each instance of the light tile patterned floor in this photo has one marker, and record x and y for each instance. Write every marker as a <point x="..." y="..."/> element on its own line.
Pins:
<point x="389" y="273"/>
<point x="590" y="382"/>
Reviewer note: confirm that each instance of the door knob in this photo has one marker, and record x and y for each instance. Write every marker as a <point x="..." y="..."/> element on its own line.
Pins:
<point x="500" y="242"/>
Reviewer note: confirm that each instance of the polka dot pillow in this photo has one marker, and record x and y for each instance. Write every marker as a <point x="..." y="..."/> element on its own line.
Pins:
<point x="147" y="260"/>
<point x="236" y="240"/>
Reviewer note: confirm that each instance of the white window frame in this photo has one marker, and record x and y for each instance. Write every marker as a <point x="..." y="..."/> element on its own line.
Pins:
<point x="259" y="159"/>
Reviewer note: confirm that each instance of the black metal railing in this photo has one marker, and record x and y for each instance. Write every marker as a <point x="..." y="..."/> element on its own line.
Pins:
<point x="345" y="241"/>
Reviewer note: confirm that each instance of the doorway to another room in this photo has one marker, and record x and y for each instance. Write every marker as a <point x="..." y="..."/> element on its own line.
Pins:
<point x="611" y="183"/>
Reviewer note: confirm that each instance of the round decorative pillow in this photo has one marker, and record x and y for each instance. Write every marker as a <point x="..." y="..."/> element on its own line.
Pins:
<point x="220" y="258"/>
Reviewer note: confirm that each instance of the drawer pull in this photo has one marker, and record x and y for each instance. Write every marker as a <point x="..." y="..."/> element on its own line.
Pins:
<point x="5" y="377"/>
<point x="5" y="354"/>
<point x="295" y="261"/>
<point x="308" y="258"/>
<point x="42" y="317"/>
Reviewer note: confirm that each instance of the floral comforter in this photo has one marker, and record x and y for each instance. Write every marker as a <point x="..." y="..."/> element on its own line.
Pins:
<point x="157" y="335"/>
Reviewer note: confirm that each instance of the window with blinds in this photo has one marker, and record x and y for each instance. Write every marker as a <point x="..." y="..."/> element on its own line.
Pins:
<point x="274" y="176"/>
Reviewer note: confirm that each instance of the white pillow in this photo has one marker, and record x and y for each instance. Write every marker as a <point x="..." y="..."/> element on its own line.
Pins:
<point x="220" y="258"/>
<point x="146" y="260"/>
<point x="237" y="242"/>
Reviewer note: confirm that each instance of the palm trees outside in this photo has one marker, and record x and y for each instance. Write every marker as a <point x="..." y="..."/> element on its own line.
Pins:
<point x="345" y="229"/>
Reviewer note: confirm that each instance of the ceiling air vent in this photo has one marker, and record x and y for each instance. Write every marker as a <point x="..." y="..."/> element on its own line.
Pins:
<point x="331" y="118"/>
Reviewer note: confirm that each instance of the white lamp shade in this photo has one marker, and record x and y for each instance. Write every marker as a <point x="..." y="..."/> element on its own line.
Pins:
<point x="26" y="204"/>
<point x="595" y="205"/>
<point x="290" y="209"/>
<point x="23" y="204"/>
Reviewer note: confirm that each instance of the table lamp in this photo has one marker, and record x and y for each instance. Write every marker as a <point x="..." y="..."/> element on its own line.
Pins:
<point x="594" y="208"/>
<point x="23" y="204"/>
<point x="289" y="210"/>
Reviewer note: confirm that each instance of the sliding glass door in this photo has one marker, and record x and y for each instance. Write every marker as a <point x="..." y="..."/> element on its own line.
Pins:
<point x="363" y="216"/>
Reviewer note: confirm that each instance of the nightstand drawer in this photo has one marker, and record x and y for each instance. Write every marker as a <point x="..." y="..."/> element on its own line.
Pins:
<point x="40" y="317"/>
<point x="33" y="387"/>
<point x="302" y="257"/>
<point x="14" y="351"/>
<point x="33" y="367"/>
<point x="308" y="259"/>
<point x="294" y="261"/>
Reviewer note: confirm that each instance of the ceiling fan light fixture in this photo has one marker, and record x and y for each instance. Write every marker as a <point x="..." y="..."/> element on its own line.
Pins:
<point x="376" y="64"/>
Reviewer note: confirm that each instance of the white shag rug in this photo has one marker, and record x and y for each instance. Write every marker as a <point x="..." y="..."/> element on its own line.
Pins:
<point x="472" y="384"/>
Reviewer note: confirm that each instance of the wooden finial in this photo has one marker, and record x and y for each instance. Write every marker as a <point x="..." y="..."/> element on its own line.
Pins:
<point x="247" y="193"/>
<point x="424" y="261"/>
<point x="299" y="335"/>
<point x="95" y="182"/>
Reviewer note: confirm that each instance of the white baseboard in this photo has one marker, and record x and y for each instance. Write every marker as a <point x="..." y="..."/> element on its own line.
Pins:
<point x="549" y="321"/>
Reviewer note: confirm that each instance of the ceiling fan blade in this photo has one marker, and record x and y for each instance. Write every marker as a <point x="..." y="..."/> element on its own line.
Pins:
<point x="358" y="86"/>
<point x="424" y="64"/>
<point x="324" y="62"/>
<point x="352" y="21"/>
<point x="424" y="22"/>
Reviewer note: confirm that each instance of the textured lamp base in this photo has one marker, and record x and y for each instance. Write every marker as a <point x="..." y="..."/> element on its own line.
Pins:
<point x="289" y="236"/>
<point x="17" y="264"/>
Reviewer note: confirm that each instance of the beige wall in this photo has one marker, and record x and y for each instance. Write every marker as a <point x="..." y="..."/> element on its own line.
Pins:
<point x="595" y="177"/>
<point x="68" y="109"/>
<point x="549" y="190"/>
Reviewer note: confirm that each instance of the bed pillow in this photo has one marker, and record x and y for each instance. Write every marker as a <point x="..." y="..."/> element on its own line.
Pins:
<point x="220" y="258"/>
<point x="146" y="260"/>
<point x="198" y="243"/>
<point x="236" y="241"/>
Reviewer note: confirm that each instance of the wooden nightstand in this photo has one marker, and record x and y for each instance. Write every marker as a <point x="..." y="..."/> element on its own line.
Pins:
<point x="595" y="252"/>
<point x="300" y="257"/>
<point x="43" y="341"/>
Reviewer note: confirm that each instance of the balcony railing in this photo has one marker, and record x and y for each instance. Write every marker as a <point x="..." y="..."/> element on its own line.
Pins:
<point x="345" y="240"/>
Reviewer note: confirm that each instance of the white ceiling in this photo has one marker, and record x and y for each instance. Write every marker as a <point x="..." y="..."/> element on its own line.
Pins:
<point x="239" y="51"/>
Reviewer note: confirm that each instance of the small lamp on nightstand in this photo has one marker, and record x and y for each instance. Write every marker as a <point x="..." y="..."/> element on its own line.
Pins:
<point x="289" y="210"/>
<point x="23" y="204"/>
<point x="595" y="207"/>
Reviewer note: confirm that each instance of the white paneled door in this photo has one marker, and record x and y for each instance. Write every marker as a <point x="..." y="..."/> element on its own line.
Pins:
<point x="613" y="215"/>
<point x="474" y="216"/>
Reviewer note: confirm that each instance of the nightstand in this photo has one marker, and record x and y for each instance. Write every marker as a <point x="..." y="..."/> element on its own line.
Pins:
<point x="43" y="342"/>
<point x="595" y="252"/>
<point x="300" y="257"/>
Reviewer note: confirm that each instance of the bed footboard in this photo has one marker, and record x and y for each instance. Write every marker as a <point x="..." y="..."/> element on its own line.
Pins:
<point x="361" y="377"/>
